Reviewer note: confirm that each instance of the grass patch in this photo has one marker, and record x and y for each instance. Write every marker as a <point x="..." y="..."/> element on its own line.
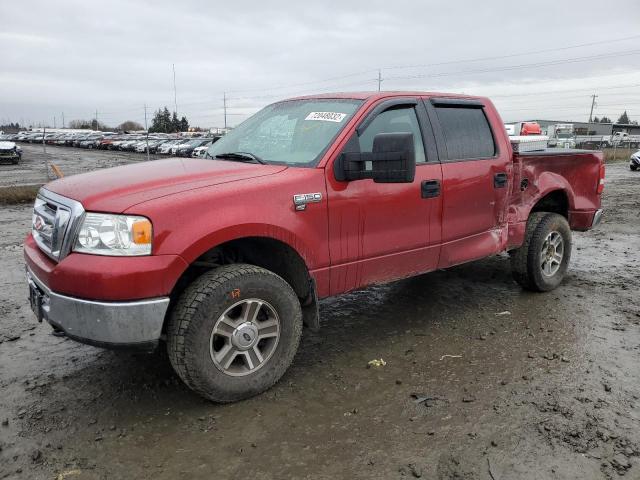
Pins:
<point x="18" y="194"/>
<point x="617" y="154"/>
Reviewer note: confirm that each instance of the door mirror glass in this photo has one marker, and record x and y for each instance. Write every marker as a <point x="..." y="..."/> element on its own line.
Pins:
<point x="392" y="160"/>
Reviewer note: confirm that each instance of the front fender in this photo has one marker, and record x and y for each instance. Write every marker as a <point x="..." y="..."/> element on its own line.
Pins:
<point x="236" y="232"/>
<point x="193" y="222"/>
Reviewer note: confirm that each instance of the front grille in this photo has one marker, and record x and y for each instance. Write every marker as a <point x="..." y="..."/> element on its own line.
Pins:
<point x="55" y="219"/>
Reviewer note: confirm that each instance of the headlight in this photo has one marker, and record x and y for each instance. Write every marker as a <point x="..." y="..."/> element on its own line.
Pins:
<point x="117" y="235"/>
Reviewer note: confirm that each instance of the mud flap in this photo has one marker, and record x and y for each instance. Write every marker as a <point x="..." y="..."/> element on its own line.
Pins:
<point x="311" y="309"/>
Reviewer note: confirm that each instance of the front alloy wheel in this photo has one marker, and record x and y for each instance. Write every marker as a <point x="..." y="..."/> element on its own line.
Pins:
<point x="244" y="337"/>
<point x="234" y="332"/>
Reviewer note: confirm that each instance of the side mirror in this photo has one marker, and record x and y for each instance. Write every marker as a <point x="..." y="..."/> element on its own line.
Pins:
<point x="393" y="160"/>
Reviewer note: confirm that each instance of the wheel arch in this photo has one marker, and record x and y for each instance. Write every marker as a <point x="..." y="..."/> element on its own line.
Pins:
<point x="273" y="254"/>
<point x="554" y="201"/>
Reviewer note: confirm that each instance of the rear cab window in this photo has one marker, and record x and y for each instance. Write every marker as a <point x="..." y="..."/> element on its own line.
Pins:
<point x="466" y="130"/>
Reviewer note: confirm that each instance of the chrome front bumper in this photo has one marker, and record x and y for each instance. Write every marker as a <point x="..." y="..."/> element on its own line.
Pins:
<point x="136" y="324"/>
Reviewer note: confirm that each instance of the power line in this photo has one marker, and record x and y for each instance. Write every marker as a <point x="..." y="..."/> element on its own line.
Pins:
<point x="512" y="55"/>
<point x="519" y="66"/>
<point x="450" y="62"/>
<point x="610" y="87"/>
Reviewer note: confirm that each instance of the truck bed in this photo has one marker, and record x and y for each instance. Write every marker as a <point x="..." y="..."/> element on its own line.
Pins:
<point x="553" y="152"/>
<point x="564" y="180"/>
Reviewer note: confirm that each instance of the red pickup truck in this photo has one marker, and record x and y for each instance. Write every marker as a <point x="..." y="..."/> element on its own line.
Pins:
<point x="225" y="257"/>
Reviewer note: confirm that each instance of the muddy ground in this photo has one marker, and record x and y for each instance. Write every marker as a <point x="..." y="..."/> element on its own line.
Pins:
<point x="482" y="381"/>
<point x="35" y="166"/>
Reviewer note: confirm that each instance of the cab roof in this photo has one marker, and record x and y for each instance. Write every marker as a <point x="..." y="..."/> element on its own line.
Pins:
<point x="384" y="94"/>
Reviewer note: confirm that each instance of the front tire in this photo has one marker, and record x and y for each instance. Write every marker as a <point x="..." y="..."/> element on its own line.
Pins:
<point x="633" y="167"/>
<point x="234" y="332"/>
<point x="541" y="262"/>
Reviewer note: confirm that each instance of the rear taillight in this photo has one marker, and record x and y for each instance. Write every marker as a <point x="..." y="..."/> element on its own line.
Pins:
<point x="601" y="180"/>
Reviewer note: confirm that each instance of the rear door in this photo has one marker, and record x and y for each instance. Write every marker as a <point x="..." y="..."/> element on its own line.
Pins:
<point x="382" y="231"/>
<point x="475" y="180"/>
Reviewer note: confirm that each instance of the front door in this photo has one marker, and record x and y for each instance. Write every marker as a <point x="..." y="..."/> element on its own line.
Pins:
<point x="383" y="231"/>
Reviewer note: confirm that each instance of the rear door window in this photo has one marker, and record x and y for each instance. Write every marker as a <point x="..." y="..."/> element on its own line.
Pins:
<point x="466" y="131"/>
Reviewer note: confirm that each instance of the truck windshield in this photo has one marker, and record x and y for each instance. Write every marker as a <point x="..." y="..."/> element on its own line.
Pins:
<point x="294" y="132"/>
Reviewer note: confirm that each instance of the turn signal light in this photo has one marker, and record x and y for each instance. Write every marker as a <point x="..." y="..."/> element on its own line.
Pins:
<point x="141" y="232"/>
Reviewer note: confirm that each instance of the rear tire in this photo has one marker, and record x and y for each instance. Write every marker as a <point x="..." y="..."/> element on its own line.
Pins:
<point x="541" y="262"/>
<point x="222" y="336"/>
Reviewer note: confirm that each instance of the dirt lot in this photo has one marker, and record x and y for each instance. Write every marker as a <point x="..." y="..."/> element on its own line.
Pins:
<point x="37" y="159"/>
<point x="482" y="381"/>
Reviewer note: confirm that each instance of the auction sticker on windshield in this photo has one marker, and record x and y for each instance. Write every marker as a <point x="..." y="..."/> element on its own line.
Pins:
<point x="326" y="116"/>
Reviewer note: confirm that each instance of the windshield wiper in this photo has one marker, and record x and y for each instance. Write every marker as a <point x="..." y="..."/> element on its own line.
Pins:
<point x="241" y="157"/>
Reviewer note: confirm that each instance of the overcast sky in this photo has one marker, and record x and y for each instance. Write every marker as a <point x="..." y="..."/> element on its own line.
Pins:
<point x="114" y="56"/>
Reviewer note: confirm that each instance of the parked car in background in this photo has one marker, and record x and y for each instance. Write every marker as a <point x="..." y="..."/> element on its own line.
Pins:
<point x="165" y="148"/>
<point x="185" y="149"/>
<point x="90" y="141"/>
<point x="153" y="148"/>
<point x="201" y="150"/>
<point x="561" y="135"/>
<point x="178" y="144"/>
<point x="10" y="152"/>
<point x="129" y="145"/>
<point x="159" y="143"/>
<point x="107" y="141"/>
<point x="634" y="161"/>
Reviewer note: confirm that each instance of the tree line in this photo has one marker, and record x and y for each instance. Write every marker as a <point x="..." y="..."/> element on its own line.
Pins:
<point x="624" y="119"/>
<point x="163" y="121"/>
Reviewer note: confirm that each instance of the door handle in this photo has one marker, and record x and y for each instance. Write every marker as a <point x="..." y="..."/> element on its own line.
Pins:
<point x="500" y="180"/>
<point x="430" y="188"/>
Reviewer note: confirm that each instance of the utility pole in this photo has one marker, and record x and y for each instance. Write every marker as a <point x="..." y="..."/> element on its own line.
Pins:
<point x="44" y="150"/>
<point x="224" y="106"/>
<point x="175" y="95"/>
<point x="593" y="104"/>
<point x="96" y="119"/>
<point x="379" y="78"/>
<point x="147" y="129"/>
<point x="54" y="122"/>
<point x="62" y="119"/>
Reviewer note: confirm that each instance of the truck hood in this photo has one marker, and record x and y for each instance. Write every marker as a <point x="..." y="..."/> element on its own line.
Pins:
<point x="116" y="189"/>
<point x="7" y="145"/>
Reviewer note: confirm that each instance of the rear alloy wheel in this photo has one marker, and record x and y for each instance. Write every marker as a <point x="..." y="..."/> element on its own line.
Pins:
<point x="552" y="254"/>
<point x="234" y="332"/>
<point x="542" y="261"/>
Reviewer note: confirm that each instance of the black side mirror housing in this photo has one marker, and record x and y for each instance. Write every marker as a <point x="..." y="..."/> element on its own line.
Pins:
<point x="393" y="160"/>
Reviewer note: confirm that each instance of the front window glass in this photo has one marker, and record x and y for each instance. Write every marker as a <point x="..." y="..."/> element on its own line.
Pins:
<point x="399" y="120"/>
<point x="295" y="132"/>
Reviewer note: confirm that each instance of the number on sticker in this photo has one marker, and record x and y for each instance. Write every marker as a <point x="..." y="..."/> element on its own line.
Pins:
<point x="326" y="116"/>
